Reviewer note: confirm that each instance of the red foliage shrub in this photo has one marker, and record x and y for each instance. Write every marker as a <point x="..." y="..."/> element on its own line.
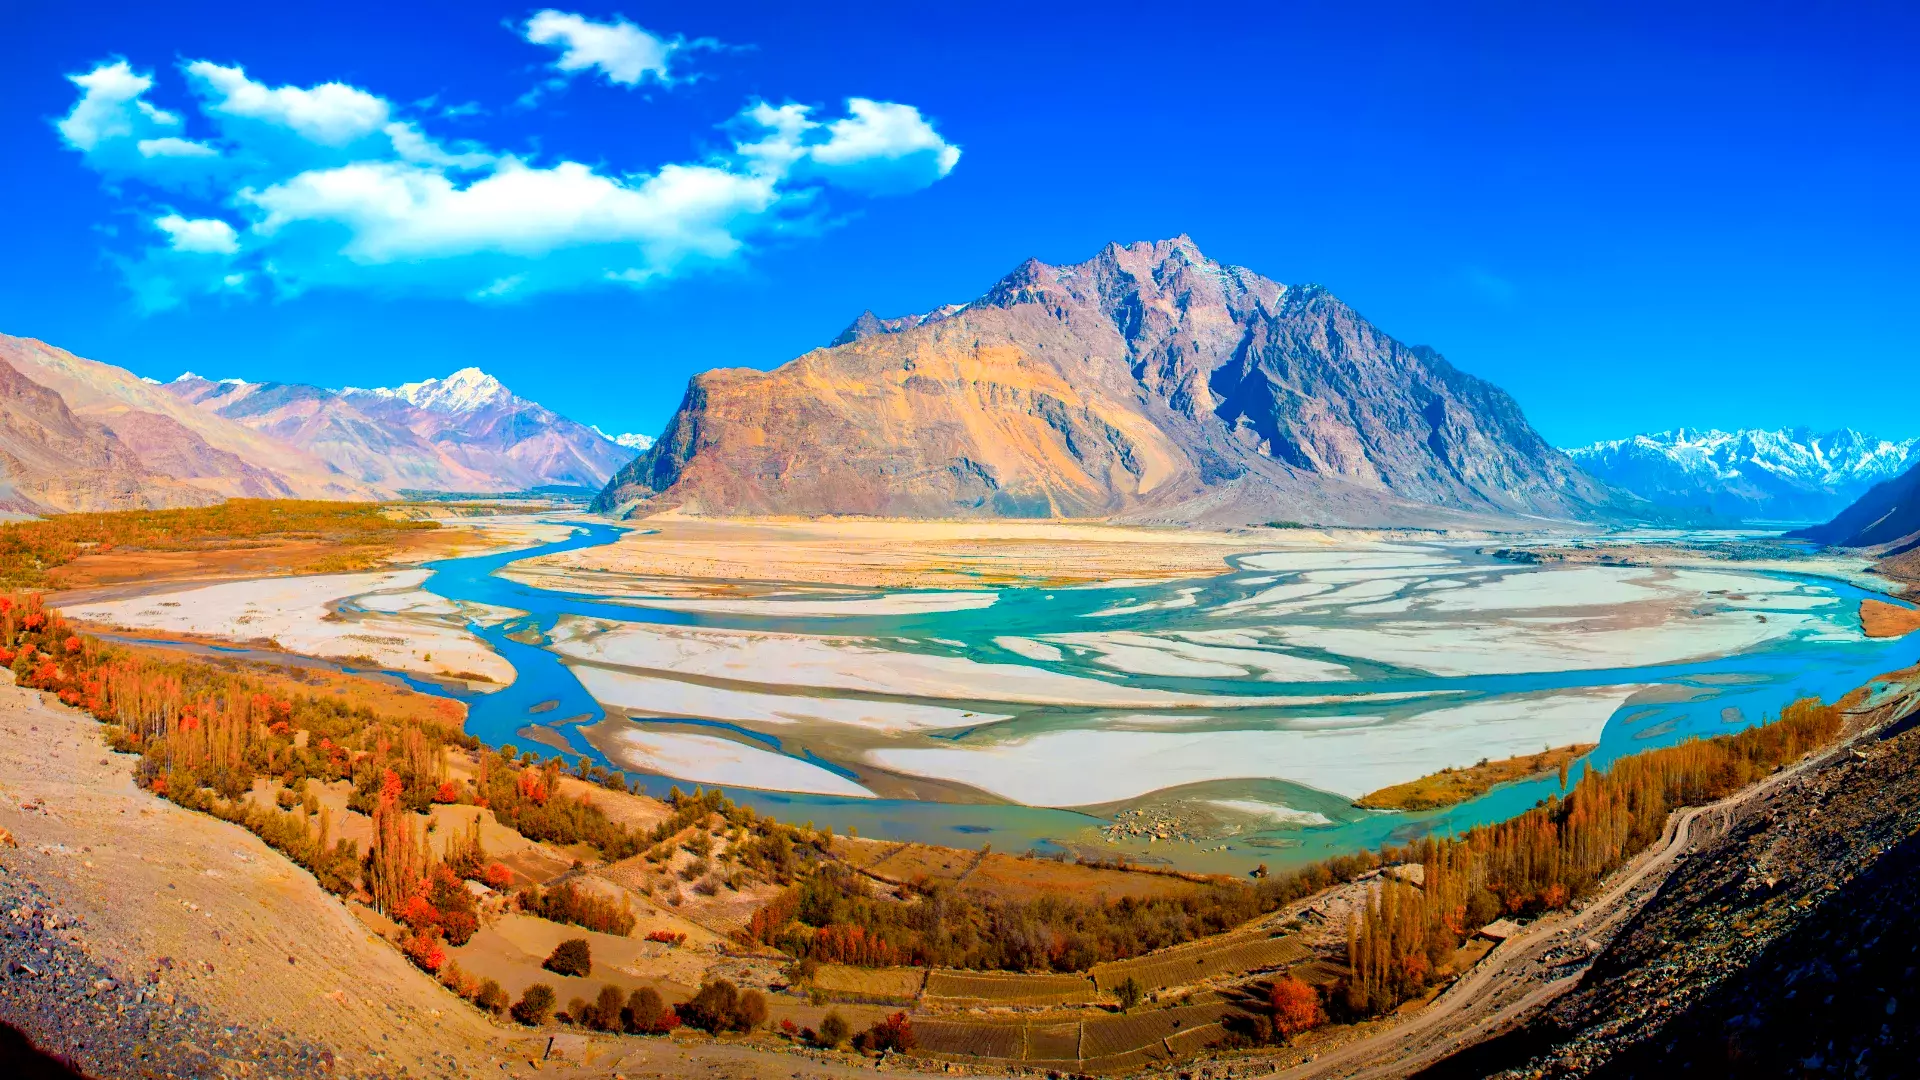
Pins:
<point x="423" y="948"/>
<point x="496" y="876"/>
<point x="1296" y="1007"/>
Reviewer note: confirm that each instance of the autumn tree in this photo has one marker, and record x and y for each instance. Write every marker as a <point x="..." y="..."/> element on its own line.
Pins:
<point x="1296" y="1007"/>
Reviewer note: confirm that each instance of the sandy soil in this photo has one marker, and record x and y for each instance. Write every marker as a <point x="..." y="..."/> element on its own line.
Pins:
<point x="201" y="912"/>
<point x="1879" y="619"/>
<point x="689" y="557"/>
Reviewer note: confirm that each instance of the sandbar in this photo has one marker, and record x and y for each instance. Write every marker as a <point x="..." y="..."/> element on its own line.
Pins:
<point x="1087" y="767"/>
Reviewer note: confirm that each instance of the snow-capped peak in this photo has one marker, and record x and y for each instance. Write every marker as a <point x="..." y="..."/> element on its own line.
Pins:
<point x="464" y="391"/>
<point x="631" y="440"/>
<point x="1785" y="474"/>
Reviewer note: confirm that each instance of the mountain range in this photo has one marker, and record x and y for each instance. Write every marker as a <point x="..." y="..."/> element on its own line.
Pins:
<point x="77" y="434"/>
<point x="1777" y="475"/>
<point x="1149" y="383"/>
<point x="466" y="432"/>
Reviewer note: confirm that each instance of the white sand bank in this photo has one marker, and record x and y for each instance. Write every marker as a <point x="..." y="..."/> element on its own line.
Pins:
<point x="671" y="697"/>
<point x="848" y="663"/>
<point x="1087" y="767"/>
<point x="297" y="614"/>
<point x="709" y="759"/>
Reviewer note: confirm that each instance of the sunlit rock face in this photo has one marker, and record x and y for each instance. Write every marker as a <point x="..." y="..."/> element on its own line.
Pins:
<point x="1149" y="382"/>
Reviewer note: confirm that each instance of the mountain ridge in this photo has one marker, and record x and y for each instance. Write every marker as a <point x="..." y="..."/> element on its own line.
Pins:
<point x="1783" y="474"/>
<point x="1148" y="383"/>
<point x="466" y="432"/>
<point x="198" y="448"/>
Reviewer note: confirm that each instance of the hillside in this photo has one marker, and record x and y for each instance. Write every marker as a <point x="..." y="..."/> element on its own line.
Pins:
<point x="1785" y="939"/>
<point x="1149" y="383"/>
<point x="54" y="461"/>
<point x="1784" y="475"/>
<point x="170" y="436"/>
<point x="1888" y="514"/>
<point x="463" y="433"/>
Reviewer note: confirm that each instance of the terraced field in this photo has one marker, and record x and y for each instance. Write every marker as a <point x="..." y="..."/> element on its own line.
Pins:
<point x="844" y="983"/>
<point x="1184" y="965"/>
<point x="994" y="988"/>
<point x="1086" y="1043"/>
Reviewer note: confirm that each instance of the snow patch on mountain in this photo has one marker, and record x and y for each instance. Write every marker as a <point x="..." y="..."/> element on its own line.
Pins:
<point x="631" y="440"/>
<point x="1791" y="474"/>
<point x="465" y="391"/>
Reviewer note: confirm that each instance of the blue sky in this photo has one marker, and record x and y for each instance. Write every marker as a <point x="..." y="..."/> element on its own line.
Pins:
<point x="1632" y="217"/>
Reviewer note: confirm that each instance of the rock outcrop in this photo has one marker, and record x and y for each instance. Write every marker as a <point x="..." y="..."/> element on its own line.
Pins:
<point x="1149" y="383"/>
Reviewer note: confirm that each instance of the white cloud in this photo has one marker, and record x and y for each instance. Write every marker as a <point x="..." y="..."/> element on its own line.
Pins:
<point x="174" y="147"/>
<point x="111" y="106"/>
<point x="333" y="186"/>
<point x="397" y="212"/>
<point x="619" y="50"/>
<point x="878" y="148"/>
<point x="200" y="236"/>
<point x="331" y="114"/>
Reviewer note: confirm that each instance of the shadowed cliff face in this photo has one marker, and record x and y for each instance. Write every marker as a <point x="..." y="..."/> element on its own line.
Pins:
<point x="1149" y="383"/>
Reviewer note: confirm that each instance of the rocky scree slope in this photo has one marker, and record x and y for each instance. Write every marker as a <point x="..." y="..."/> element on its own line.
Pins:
<point x="1788" y="946"/>
<point x="1787" y="475"/>
<point x="1149" y="383"/>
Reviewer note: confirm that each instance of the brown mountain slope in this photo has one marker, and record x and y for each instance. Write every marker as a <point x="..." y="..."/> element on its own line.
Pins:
<point x="1148" y="383"/>
<point x="196" y="446"/>
<point x="334" y="429"/>
<point x="52" y="460"/>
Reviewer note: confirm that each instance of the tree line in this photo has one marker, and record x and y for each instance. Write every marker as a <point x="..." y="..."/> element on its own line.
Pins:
<point x="1555" y="853"/>
<point x="30" y="549"/>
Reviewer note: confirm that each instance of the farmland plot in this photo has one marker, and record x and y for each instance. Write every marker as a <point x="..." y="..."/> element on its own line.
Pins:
<point x="956" y="987"/>
<point x="1185" y="965"/>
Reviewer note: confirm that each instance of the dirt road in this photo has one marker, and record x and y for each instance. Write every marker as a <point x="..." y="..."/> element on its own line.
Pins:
<point x="1532" y="968"/>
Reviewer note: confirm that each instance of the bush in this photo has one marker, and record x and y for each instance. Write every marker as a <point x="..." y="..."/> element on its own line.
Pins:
<point x="833" y="1030"/>
<point x="569" y="903"/>
<point x="576" y="1011"/>
<point x="460" y="926"/>
<point x="491" y="998"/>
<point x="571" y="957"/>
<point x="751" y="1012"/>
<point x="895" y="1033"/>
<point x="1129" y="993"/>
<point x="720" y="1006"/>
<point x="604" y="1013"/>
<point x="535" y="1005"/>
<point x="647" y="1013"/>
<point x="1296" y="1007"/>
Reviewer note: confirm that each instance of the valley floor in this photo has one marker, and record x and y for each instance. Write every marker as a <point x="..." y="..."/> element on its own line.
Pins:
<point x="681" y="556"/>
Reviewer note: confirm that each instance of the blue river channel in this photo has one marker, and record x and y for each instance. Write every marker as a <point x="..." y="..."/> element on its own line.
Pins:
<point x="546" y="699"/>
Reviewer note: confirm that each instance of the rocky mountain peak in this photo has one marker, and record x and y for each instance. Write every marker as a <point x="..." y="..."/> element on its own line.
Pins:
<point x="1148" y="380"/>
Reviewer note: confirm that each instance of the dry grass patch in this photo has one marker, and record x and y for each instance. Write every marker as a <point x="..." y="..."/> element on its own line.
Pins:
<point x="888" y="984"/>
<point x="1450" y="786"/>
<point x="1879" y="619"/>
